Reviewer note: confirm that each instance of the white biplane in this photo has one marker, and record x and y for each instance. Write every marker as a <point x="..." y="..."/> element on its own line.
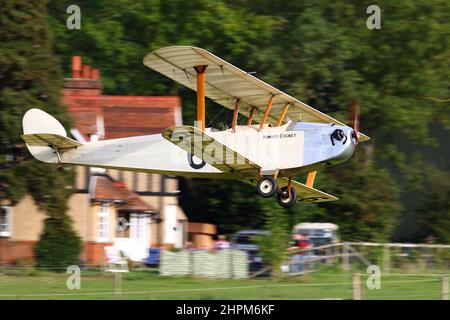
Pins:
<point x="283" y="136"/>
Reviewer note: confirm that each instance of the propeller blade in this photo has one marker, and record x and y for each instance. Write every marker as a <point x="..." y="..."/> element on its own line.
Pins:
<point x="354" y="119"/>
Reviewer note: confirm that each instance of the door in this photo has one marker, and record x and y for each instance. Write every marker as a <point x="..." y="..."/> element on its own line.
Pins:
<point x="170" y="224"/>
<point x="179" y="235"/>
<point x="133" y="235"/>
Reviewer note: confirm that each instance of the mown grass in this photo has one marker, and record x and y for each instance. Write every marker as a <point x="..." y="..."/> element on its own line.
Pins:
<point x="26" y="283"/>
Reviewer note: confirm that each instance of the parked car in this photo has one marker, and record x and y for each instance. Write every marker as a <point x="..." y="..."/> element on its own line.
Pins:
<point x="242" y="240"/>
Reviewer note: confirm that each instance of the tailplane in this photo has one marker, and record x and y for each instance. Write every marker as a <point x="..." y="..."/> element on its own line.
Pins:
<point x="45" y="136"/>
<point x="50" y="140"/>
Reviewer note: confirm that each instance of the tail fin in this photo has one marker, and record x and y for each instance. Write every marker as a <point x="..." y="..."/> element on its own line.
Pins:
<point x="43" y="133"/>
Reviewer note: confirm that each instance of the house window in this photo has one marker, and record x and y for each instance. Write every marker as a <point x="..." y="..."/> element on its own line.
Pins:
<point x="102" y="223"/>
<point x="5" y="221"/>
<point x="135" y="232"/>
<point x="132" y="225"/>
<point x="123" y="225"/>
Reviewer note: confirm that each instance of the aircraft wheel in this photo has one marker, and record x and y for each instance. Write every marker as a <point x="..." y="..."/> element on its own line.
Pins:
<point x="267" y="186"/>
<point x="286" y="200"/>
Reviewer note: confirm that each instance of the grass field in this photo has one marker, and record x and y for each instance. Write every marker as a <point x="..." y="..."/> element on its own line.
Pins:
<point x="28" y="283"/>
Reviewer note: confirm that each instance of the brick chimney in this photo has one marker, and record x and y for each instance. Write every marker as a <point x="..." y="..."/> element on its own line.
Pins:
<point x="85" y="80"/>
<point x="76" y="67"/>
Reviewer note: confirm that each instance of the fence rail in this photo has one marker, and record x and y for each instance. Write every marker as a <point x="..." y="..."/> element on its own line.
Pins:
<point x="396" y="256"/>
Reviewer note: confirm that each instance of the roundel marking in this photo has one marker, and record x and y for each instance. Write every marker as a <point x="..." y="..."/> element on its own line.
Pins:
<point x="194" y="165"/>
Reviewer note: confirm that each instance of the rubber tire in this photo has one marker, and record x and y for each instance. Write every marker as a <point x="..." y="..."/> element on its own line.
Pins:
<point x="263" y="180"/>
<point x="281" y="198"/>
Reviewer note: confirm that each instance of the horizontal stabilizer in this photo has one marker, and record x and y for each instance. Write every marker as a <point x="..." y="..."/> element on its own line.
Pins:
<point x="50" y="140"/>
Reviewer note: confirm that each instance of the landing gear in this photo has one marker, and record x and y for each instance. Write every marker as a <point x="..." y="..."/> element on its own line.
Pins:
<point x="267" y="186"/>
<point x="287" y="198"/>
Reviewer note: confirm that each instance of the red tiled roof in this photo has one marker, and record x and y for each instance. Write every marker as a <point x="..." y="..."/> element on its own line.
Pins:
<point x="123" y="116"/>
<point x="104" y="188"/>
<point x="136" y="204"/>
<point x="130" y="120"/>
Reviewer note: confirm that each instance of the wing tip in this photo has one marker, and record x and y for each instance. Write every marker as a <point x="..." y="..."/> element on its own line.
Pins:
<point x="363" y="137"/>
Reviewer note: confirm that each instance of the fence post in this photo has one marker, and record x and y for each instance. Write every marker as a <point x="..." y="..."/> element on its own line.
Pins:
<point x="386" y="259"/>
<point x="444" y="288"/>
<point x="328" y="261"/>
<point x="357" y="289"/>
<point x="118" y="285"/>
<point x="265" y="293"/>
<point x="345" y="258"/>
<point x="232" y="264"/>
<point x="191" y="262"/>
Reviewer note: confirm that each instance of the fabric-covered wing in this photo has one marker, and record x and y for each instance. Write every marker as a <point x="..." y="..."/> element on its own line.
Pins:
<point x="208" y="149"/>
<point x="225" y="83"/>
<point x="307" y="194"/>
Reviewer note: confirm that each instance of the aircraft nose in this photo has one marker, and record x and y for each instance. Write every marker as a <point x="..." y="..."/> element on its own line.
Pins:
<point x="346" y="150"/>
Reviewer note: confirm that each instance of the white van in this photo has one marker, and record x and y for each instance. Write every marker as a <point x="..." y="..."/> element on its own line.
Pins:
<point x="319" y="233"/>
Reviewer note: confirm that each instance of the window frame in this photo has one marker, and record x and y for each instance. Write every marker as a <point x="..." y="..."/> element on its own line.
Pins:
<point x="8" y="211"/>
<point x="102" y="222"/>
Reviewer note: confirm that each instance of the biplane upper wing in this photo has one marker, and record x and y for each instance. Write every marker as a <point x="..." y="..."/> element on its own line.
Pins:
<point x="306" y="194"/>
<point x="226" y="83"/>
<point x="204" y="147"/>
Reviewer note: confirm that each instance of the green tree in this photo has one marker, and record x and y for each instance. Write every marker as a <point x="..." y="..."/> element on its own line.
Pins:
<point x="30" y="77"/>
<point x="321" y="53"/>
<point x="273" y="248"/>
<point x="435" y="212"/>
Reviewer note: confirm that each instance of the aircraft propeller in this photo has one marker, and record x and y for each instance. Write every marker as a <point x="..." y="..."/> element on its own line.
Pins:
<point x="354" y="120"/>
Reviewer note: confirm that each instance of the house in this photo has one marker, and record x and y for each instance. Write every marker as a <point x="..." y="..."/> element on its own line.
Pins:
<point x="130" y="210"/>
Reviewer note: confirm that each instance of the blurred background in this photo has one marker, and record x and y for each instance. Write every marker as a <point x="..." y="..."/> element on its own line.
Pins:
<point x="396" y="188"/>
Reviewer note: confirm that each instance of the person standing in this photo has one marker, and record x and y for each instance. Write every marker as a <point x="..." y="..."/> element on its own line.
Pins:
<point x="221" y="243"/>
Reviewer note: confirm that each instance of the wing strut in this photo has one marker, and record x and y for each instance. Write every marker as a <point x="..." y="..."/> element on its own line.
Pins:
<point x="235" y="115"/>
<point x="200" y="96"/>
<point x="310" y="178"/>
<point x="283" y="113"/>
<point x="266" y="113"/>
<point x="250" y="117"/>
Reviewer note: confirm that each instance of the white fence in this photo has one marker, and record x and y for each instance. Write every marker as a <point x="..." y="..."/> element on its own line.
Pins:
<point x="222" y="264"/>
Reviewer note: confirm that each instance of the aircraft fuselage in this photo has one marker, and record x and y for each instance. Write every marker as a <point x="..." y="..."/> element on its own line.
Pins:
<point x="291" y="148"/>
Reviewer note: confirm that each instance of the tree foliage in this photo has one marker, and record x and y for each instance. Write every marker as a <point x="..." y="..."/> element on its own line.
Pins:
<point x="58" y="246"/>
<point x="321" y="53"/>
<point x="273" y="247"/>
<point x="30" y="77"/>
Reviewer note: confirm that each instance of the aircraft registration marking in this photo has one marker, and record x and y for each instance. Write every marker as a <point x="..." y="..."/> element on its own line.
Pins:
<point x="282" y="135"/>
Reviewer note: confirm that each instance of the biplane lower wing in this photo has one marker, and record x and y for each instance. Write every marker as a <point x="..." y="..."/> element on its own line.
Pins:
<point x="306" y="194"/>
<point x="208" y="149"/>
